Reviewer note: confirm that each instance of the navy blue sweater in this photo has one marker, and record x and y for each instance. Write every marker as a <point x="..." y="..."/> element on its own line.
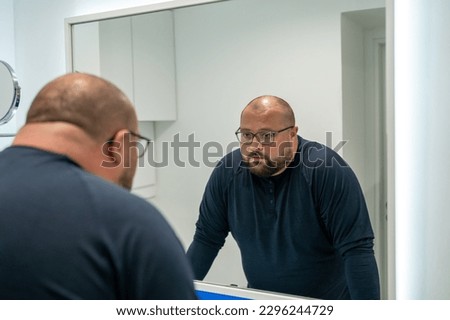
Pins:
<point x="305" y="232"/>
<point x="67" y="234"/>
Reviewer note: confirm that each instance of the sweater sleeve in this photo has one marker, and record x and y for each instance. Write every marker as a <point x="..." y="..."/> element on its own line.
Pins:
<point x="201" y="257"/>
<point x="362" y="273"/>
<point x="212" y="225"/>
<point x="345" y="218"/>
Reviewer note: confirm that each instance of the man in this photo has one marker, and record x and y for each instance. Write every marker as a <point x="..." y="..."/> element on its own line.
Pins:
<point x="295" y="209"/>
<point x="69" y="229"/>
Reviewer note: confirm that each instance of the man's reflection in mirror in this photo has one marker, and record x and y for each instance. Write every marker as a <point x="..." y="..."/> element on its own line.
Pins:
<point x="295" y="209"/>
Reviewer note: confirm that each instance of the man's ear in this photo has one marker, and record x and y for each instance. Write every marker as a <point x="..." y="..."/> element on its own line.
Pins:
<point x="113" y="149"/>
<point x="295" y="130"/>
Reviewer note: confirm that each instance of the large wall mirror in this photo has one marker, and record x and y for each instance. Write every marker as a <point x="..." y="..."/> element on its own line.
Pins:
<point x="191" y="66"/>
<point x="9" y="92"/>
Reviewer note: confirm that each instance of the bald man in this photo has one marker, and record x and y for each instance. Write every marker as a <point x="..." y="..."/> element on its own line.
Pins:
<point x="69" y="227"/>
<point x="295" y="209"/>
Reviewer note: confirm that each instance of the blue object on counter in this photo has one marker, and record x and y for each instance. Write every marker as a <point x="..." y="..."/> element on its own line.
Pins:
<point x="206" y="295"/>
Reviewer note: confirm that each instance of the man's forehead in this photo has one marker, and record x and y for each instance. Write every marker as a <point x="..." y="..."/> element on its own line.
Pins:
<point x="267" y="115"/>
<point x="263" y="129"/>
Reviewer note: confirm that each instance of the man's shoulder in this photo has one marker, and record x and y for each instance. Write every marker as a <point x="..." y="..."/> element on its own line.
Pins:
<point x="106" y="193"/>
<point x="315" y="155"/>
<point x="229" y="165"/>
<point x="226" y="170"/>
<point x="232" y="160"/>
<point x="321" y="164"/>
<point x="118" y="211"/>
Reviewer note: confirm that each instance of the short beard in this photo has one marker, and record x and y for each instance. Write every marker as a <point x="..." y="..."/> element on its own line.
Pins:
<point x="126" y="181"/>
<point x="267" y="167"/>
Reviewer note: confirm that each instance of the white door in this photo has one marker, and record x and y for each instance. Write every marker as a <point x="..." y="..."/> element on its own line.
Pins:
<point x="364" y="118"/>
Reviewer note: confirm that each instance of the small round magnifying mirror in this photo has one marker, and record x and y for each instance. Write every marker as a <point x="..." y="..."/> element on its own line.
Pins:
<point x="9" y="92"/>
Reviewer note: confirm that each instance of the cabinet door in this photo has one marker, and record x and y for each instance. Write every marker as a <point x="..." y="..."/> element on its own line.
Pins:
<point x="154" y="66"/>
<point x="116" y="53"/>
<point x="86" y="50"/>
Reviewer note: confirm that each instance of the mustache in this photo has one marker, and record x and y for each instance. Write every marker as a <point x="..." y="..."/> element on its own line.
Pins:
<point x="259" y="155"/>
<point x="255" y="154"/>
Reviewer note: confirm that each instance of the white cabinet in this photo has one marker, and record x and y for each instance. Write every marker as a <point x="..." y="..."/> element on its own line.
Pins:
<point x="135" y="53"/>
<point x="86" y="48"/>
<point x="154" y="66"/>
<point x="116" y="58"/>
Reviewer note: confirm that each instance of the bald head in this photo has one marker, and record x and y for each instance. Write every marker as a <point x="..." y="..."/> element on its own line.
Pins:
<point x="93" y="104"/>
<point x="270" y="105"/>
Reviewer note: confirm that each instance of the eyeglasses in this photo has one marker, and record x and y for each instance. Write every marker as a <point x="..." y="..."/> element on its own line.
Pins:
<point x="265" y="138"/>
<point x="142" y="144"/>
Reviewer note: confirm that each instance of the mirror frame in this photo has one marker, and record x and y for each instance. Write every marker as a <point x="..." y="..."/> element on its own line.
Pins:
<point x="390" y="99"/>
<point x="16" y="95"/>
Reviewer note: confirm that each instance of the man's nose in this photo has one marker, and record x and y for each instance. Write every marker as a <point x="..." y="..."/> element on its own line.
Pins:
<point x="255" y="145"/>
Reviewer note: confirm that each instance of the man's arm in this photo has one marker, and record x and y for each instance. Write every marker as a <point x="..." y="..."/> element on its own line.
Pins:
<point x="212" y="225"/>
<point x="154" y="261"/>
<point x="201" y="257"/>
<point x="345" y="217"/>
<point x="362" y="273"/>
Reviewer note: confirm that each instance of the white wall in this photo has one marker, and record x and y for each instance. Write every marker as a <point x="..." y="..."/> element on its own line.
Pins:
<point x="353" y="64"/>
<point x="422" y="99"/>
<point x="7" y="31"/>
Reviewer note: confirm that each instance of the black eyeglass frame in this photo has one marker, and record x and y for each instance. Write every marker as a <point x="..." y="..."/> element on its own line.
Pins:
<point x="147" y="142"/>
<point x="259" y="135"/>
<point x="140" y="137"/>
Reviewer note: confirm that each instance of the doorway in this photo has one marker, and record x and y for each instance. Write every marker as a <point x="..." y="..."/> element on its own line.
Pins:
<point x="364" y="118"/>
